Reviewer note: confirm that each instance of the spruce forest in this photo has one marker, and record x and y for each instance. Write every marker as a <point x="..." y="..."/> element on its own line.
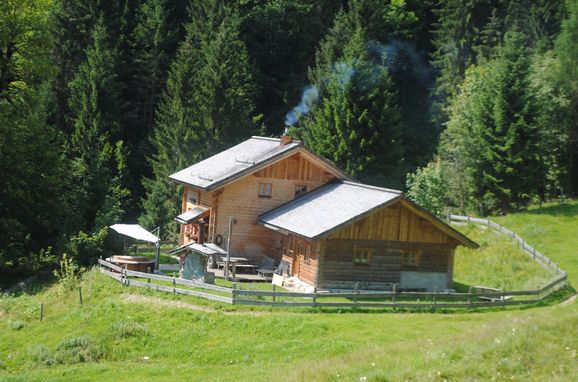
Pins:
<point x="469" y="106"/>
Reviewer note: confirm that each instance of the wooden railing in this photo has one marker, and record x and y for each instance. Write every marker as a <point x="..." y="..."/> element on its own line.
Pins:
<point x="537" y="256"/>
<point x="356" y="298"/>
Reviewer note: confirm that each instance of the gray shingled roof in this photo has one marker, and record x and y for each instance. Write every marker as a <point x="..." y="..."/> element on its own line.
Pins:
<point x="328" y="208"/>
<point x="233" y="163"/>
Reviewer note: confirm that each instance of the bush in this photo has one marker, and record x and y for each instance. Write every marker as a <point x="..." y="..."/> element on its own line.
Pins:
<point x="127" y="329"/>
<point x="68" y="275"/>
<point x="427" y="187"/>
<point x="86" y="248"/>
<point x="17" y="325"/>
<point x="41" y="354"/>
<point x="77" y="350"/>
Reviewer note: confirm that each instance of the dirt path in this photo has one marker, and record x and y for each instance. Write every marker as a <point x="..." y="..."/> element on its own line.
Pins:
<point x="569" y="301"/>
<point x="140" y="299"/>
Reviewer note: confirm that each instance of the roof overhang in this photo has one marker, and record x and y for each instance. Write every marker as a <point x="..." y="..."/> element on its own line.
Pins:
<point x="256" y="166"/>
<point x="189" y="216"/>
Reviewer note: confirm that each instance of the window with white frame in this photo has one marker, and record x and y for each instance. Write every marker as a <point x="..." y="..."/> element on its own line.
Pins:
<point x="265" y="190"/>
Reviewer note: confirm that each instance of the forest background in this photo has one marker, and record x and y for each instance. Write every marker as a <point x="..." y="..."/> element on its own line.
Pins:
<point x="470" y="105"/>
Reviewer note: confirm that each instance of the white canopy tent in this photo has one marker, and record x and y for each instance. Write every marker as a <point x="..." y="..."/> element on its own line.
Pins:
<point x="137" y="232"/>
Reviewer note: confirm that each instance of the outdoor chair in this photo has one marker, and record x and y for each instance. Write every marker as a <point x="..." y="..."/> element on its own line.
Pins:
<point x="267" y="267"/>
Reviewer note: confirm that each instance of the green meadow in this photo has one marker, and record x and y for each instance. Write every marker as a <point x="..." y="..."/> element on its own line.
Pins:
<point x="134" y="335"/>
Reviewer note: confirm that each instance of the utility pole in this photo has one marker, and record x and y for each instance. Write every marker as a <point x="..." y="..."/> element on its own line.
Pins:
<point x="158" y="249"/>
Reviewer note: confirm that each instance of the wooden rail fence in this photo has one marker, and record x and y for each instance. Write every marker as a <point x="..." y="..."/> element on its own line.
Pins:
<point x="357" y="298"/>
<point x="537" y="256"/>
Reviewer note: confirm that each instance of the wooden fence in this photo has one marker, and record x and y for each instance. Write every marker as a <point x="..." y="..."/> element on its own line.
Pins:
<point x="356" y="298"/>
<point x="537" y="256"/>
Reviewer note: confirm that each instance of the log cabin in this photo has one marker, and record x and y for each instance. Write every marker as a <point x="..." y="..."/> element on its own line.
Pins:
<point x="289" y="204"/>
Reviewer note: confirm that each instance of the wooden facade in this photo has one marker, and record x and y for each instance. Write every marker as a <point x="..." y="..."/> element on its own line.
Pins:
<point x="241" y="200"/>
<point x="398" y="239"/>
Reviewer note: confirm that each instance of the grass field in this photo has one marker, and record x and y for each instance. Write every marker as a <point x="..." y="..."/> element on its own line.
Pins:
<point x="123" y="335"/>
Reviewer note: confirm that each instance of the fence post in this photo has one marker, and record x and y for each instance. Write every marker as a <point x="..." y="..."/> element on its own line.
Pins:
<point x="356" y="291"/>
<point x="470" y="295"/>
<point x="80" y="294"/>
<point x="274" y="289"/>
<point x="314" y="297"/>
<point x="174" y="285"/>
<point x="394" y="293"/>
<point x="434" y="296"/>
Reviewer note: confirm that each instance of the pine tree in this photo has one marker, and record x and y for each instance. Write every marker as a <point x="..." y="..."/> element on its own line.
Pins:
<point x="97" y="154"/>
<point x="567" y="73"/>
<point x="356" y="124"/>
<point x="207" y="106"/>
<point x="494" y="122"/>
<point x="32" y="205"/>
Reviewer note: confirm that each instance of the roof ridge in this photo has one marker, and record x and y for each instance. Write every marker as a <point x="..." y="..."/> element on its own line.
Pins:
<point x="297" y="141"/>
<point x="265" y="138"/>
<point x="368" y="186"/>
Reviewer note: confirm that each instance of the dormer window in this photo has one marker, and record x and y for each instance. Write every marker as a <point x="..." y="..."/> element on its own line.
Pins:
<point x="265" y="190"/>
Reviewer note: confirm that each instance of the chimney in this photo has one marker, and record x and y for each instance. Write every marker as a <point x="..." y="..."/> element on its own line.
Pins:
<point x="201" y="237"/>
<point x="286" y="138"/>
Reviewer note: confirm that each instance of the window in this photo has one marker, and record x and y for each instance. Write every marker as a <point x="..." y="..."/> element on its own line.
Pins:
<point x="307" y="254"/>
<point x="265" y="190"/>
<point x="410" y="260"/>
<point x="300" y="190"/>
<point x="280" y="242"/>
<point x="362" y="256"/>
<point x="192" y="197"/>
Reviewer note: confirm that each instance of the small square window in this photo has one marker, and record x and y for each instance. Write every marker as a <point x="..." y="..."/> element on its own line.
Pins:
<point x="362" y="256"/>
<point x="410" y="260"/>
<point x="192" y="197"/>
<point x="265" y="190"/>
<point x="300" y="190"/>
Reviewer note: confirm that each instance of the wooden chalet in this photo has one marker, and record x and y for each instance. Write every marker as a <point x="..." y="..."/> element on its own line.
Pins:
<point x="289" y="204"/>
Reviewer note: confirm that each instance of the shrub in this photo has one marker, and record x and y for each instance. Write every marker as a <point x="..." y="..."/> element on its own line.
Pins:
<point x="17" y="325"/>
<point x="427" y="187"/>
<point x="41" y="354"/>
<point x="77" y="350"/>
<point x="127" y="329"/>
<point x="68" y="275"/>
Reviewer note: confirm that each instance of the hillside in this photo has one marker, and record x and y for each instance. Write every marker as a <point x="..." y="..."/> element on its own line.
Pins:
<point x="127" y="335"/>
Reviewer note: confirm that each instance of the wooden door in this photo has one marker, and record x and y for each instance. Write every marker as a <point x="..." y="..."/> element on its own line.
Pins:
<point x="295" y="256"/>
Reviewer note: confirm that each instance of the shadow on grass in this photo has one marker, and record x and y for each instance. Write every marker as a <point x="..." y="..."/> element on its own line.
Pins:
<point x="460" y="287"/>
<point x="562" y="209"/>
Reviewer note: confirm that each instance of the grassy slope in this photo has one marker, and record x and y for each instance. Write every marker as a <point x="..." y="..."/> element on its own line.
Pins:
<point x="533" y="344"/>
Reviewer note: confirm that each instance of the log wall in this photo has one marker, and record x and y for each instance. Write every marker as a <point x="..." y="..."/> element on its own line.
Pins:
<point x="338" y="270"/>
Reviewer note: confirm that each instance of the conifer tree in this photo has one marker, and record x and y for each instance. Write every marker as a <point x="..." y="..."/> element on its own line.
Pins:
<point x="494" y="118"/>
<point x="97" y="154"/>
<point x="207" y="106"/>
<point x="356" y="123"/>
<point x="567" y="73"/>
